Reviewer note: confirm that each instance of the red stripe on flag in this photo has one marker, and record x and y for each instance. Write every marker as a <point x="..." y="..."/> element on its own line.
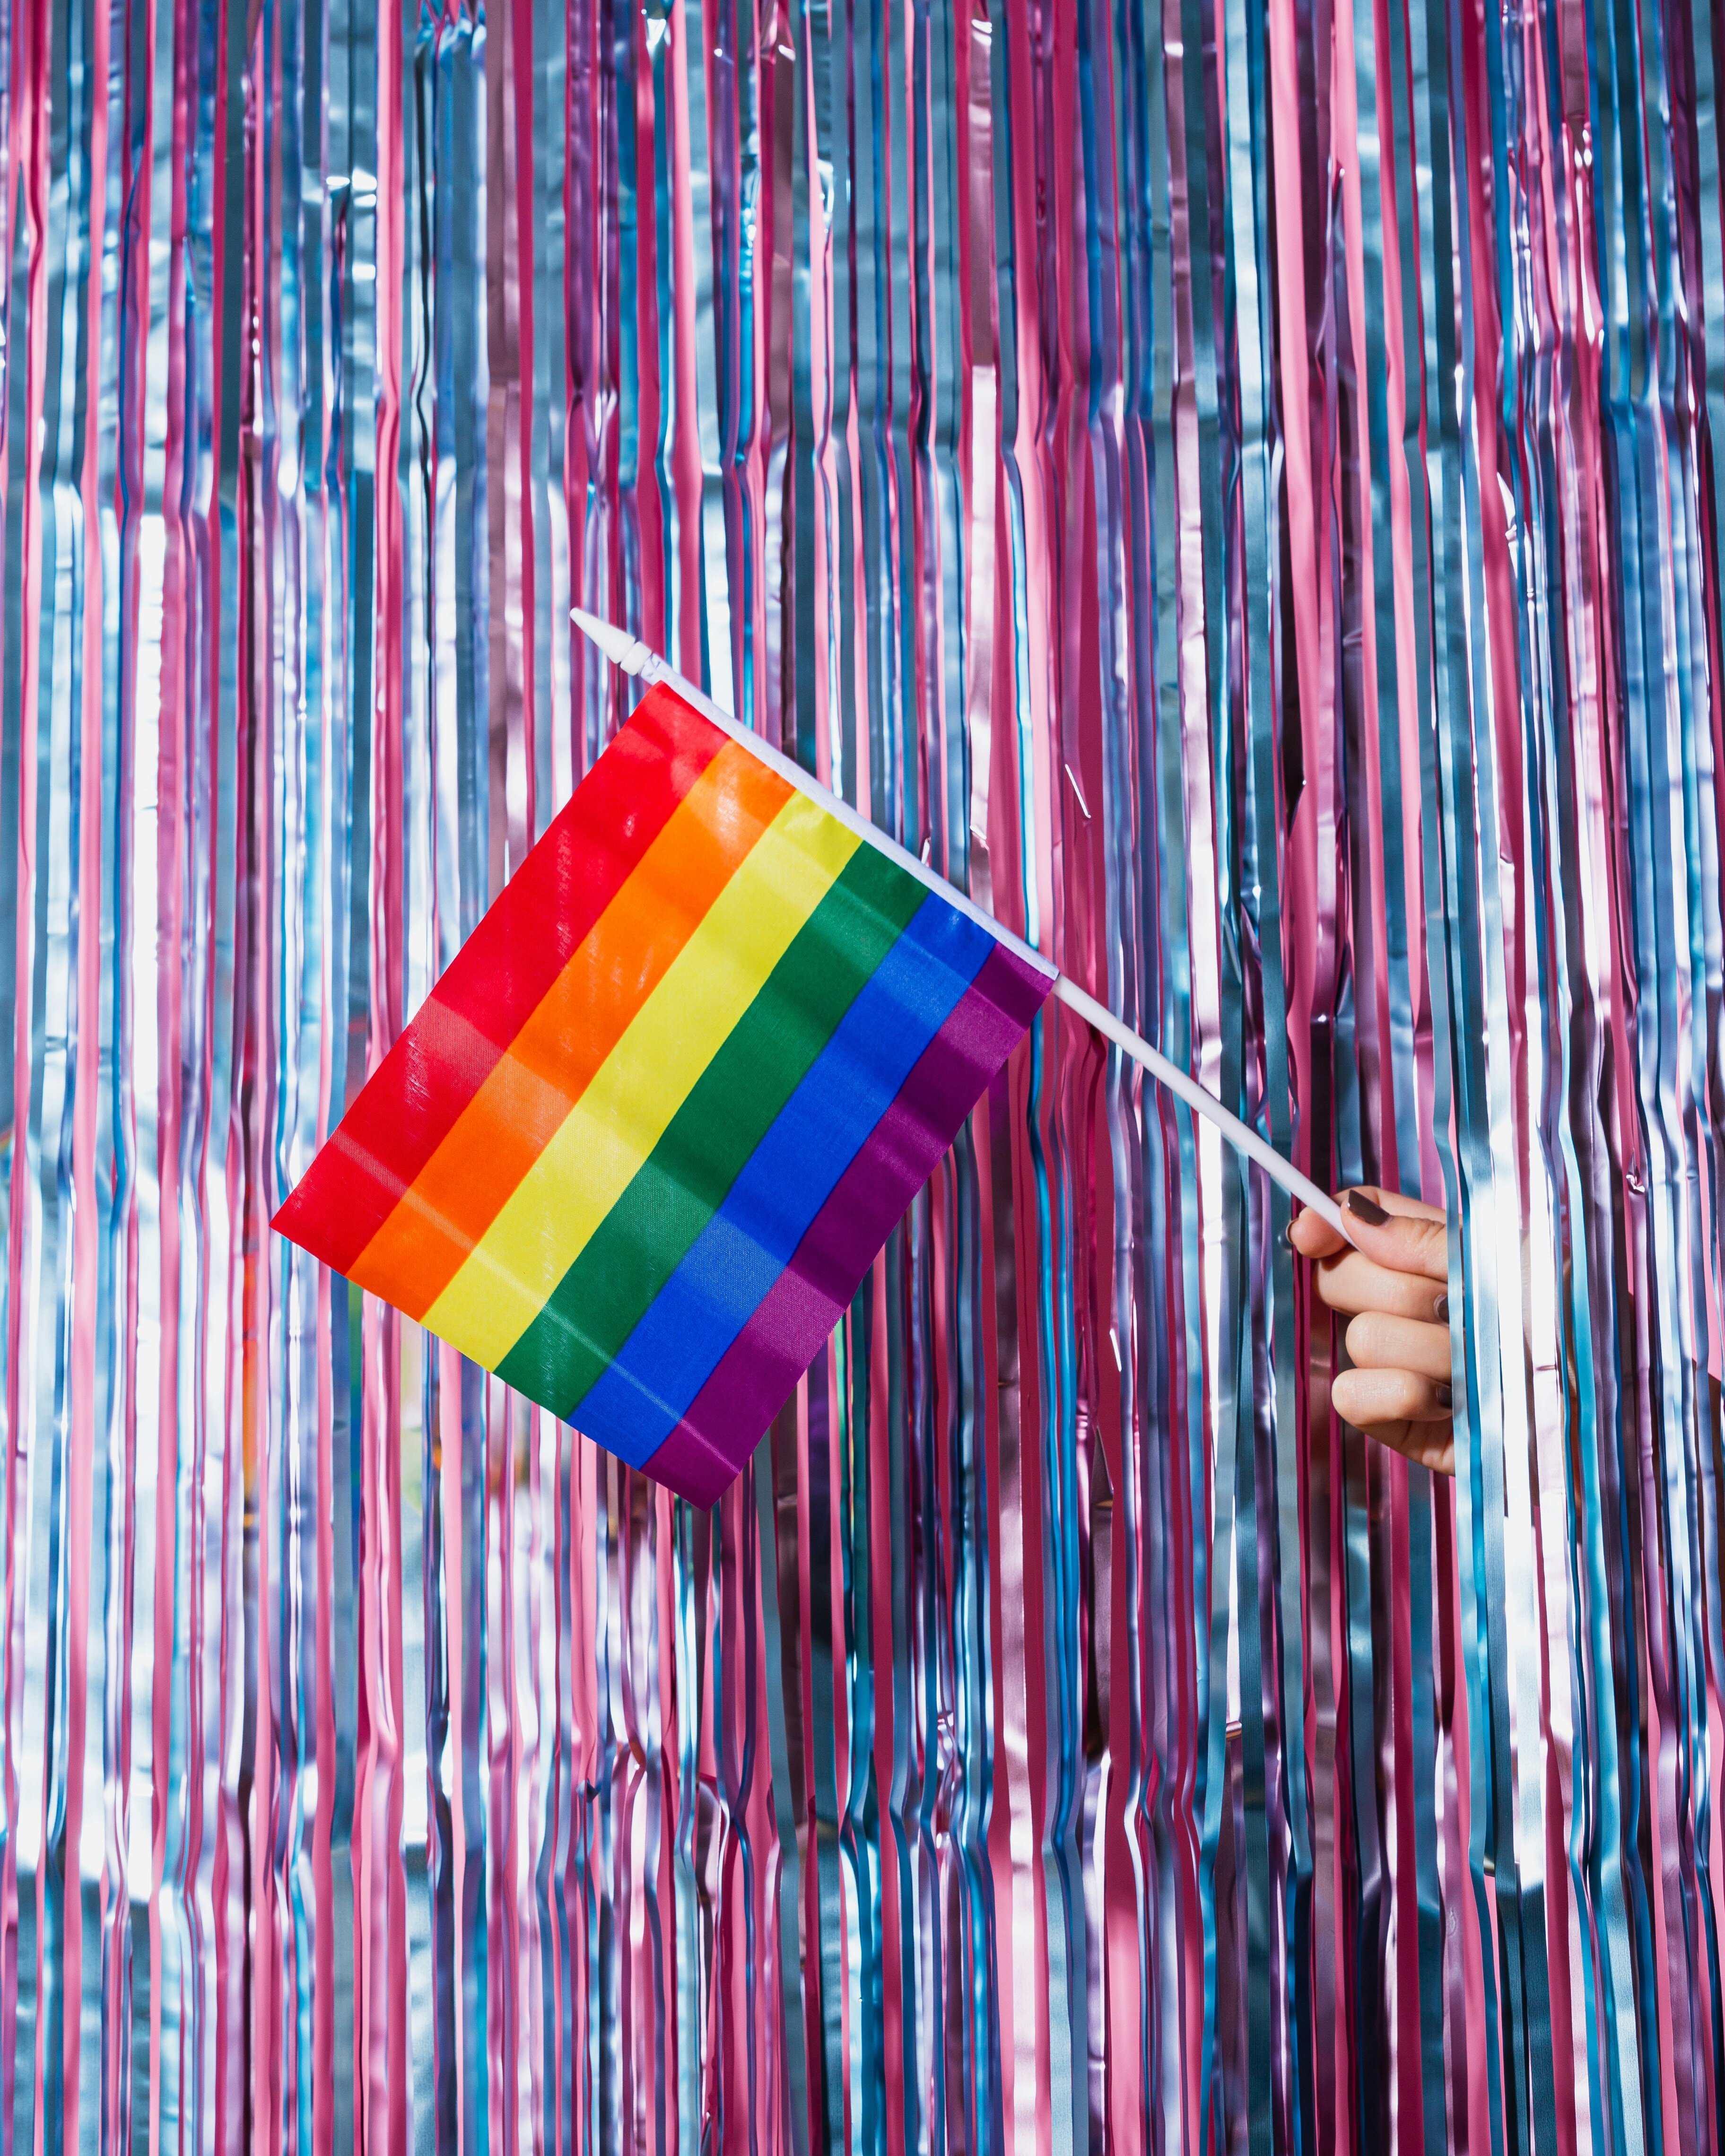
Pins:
<point x="498" y="979"/>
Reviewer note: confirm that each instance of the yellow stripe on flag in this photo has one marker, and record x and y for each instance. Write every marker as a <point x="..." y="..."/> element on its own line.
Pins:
<point x="563" y="1197"/>
<point x="517" y="1110"/>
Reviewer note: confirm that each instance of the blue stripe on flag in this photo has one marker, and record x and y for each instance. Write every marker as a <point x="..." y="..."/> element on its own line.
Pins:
<point x="747" y="1244"/>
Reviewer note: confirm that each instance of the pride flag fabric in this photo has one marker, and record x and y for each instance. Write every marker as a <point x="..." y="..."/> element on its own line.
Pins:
<point x="639" y="1146"/>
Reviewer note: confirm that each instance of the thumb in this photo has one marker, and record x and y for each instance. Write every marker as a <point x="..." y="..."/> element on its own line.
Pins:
<point x="1406" y="1242"/>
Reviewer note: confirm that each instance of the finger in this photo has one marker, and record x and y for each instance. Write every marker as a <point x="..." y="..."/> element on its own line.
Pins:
<point x="1378" y="1341"/>
<point x="1352" y="1282"/>
<point x="1430" y="1445"/>
<point x="1395" y="1201"/>
<point x="1370" y="1397"/>
<point x="1402" y="1242"/>
<point x="1313" y="1237"/>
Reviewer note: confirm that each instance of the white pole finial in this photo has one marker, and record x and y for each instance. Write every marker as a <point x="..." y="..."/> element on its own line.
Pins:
<point x="627" y="653"/>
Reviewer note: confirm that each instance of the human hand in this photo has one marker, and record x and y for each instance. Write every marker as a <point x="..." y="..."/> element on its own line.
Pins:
<point x="1393" y="1283"/>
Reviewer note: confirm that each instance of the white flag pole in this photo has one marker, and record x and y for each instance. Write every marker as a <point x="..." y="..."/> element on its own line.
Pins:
<point x="629" y="655"/>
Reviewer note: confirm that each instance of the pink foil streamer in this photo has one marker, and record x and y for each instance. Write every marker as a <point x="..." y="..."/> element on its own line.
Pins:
<point x="1236" y="484"/>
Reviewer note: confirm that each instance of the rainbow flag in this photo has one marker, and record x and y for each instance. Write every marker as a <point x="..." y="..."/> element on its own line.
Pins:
<point x="644" y="1137"/>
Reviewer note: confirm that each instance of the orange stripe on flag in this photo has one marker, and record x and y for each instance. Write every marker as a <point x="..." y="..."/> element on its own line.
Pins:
<point x="552" y="1060"/>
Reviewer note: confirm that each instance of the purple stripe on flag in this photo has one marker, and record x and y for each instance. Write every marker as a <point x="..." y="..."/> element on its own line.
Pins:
<point x="703" y="1453"/>
<point x="686" y="1463"/>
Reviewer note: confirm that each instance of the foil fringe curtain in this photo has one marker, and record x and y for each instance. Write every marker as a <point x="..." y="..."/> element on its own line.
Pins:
<point x="1236" y="484"/>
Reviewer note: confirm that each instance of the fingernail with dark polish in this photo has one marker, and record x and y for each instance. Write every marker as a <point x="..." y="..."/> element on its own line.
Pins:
<point x="1443" y="1395"/>
<point x="1443" y="1310"/>
<point x="1366" y="1209"/>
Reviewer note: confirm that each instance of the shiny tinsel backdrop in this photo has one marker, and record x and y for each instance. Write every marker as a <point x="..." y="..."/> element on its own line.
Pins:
<point x="1236" y="484"/>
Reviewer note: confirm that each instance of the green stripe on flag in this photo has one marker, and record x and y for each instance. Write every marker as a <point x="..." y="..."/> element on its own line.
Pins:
<point x="729" y="1110"/>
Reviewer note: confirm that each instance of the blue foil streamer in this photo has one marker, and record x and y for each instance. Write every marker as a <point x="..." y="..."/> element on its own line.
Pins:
<point x="1217" y="478"/>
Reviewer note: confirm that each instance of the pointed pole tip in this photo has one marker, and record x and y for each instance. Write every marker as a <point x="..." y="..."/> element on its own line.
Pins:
<point x="619" y="647"/>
